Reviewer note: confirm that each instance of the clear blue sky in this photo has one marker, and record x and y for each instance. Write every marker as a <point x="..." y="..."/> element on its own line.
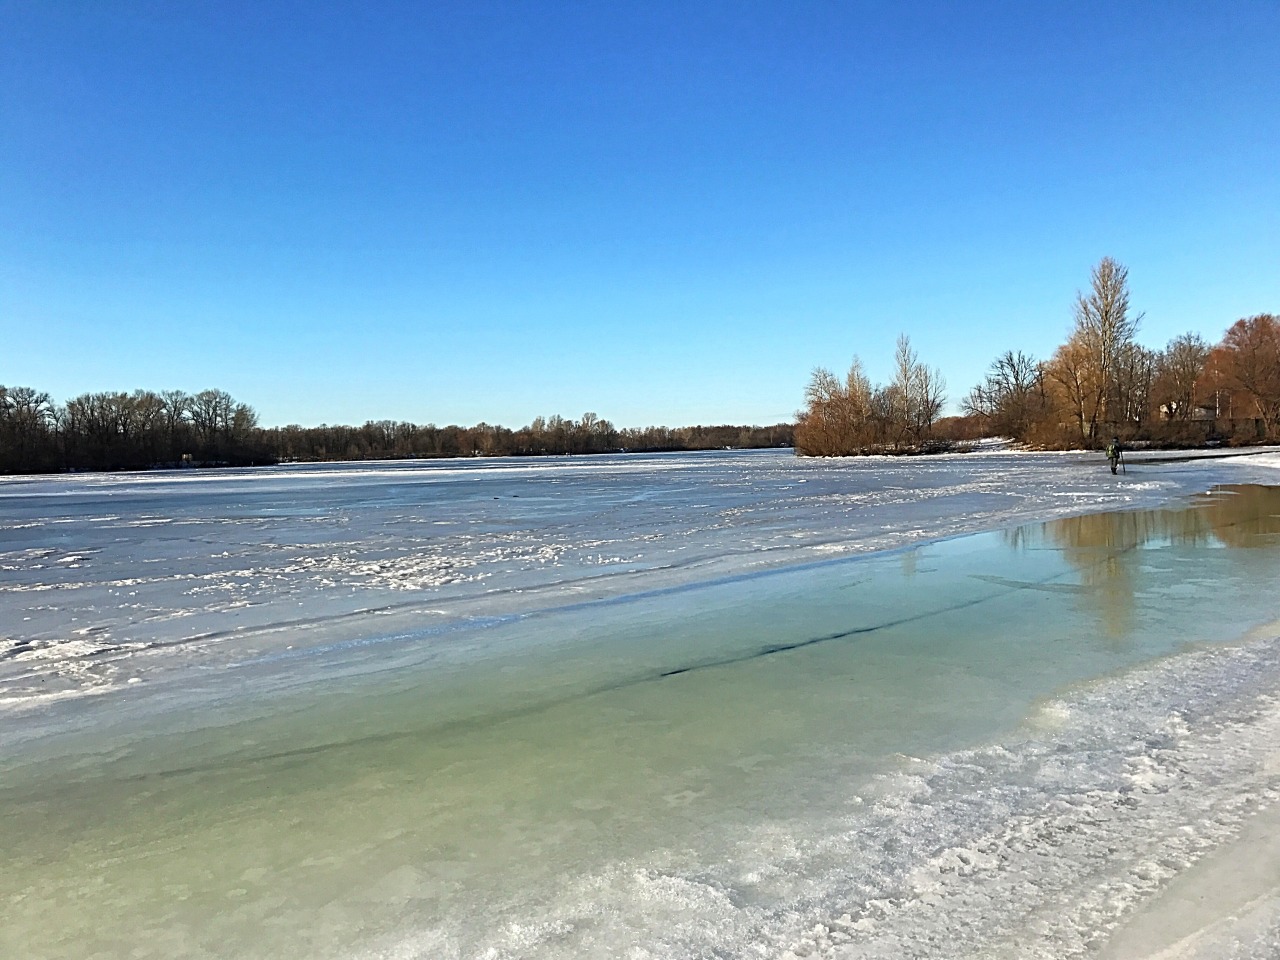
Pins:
<point x="659" y="212"/>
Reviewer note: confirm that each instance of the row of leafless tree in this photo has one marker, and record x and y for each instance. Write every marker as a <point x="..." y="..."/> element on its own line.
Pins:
<point x="111" y="431"/>
<point x="115" y="431"/>
<point x="1099" y="383"/>
<point x="384" y="439"/>
<point x="1102" y="382"/>
<point x="851" y="416"/>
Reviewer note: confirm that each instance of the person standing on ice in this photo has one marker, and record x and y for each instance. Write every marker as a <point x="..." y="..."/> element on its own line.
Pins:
<point x="1114" y="452"/>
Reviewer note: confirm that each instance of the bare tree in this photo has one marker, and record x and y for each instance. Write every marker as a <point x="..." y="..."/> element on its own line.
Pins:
<point x="1106" y="328"/>
<point x="1087" y="370"/>
<point x="930" y="395"/>
<point x="1011" y="398"/>
<point x="1179" y="370"/>
<point x="177" y="406"/>
<point x="819" y="424"/>
<point x="853" y="416"/>
<point x="26" y="419"/>
<point x="1251" y="354"/>
<point x="1071" y="376"/>
<point x="916" y="394"/>
<point x="1135" y="371"/>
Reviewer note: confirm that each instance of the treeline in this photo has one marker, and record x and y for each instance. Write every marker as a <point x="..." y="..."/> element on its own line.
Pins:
<point x="853" y="416"/>
<point x="1100" y="383"/>
<point x="390" y="439"/>
<point x="144" y="429"/>
<point x="117" y="431"/>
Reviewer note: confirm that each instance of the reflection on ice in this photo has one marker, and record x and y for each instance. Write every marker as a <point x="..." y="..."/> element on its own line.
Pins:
<point x="1232" y="515"/>
<point x="1101" y="547"/>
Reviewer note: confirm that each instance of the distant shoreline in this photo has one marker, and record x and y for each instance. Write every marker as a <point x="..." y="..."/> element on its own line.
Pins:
<point x="195" y="467"/>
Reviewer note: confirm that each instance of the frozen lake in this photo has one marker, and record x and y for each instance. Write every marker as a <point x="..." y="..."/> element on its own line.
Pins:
<point x="110" y="578"/>
<point x="720" y="705"/>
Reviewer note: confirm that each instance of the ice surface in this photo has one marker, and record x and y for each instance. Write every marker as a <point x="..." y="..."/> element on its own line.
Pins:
<point x="110" y="578"/>
<point x="712" y="720"/>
